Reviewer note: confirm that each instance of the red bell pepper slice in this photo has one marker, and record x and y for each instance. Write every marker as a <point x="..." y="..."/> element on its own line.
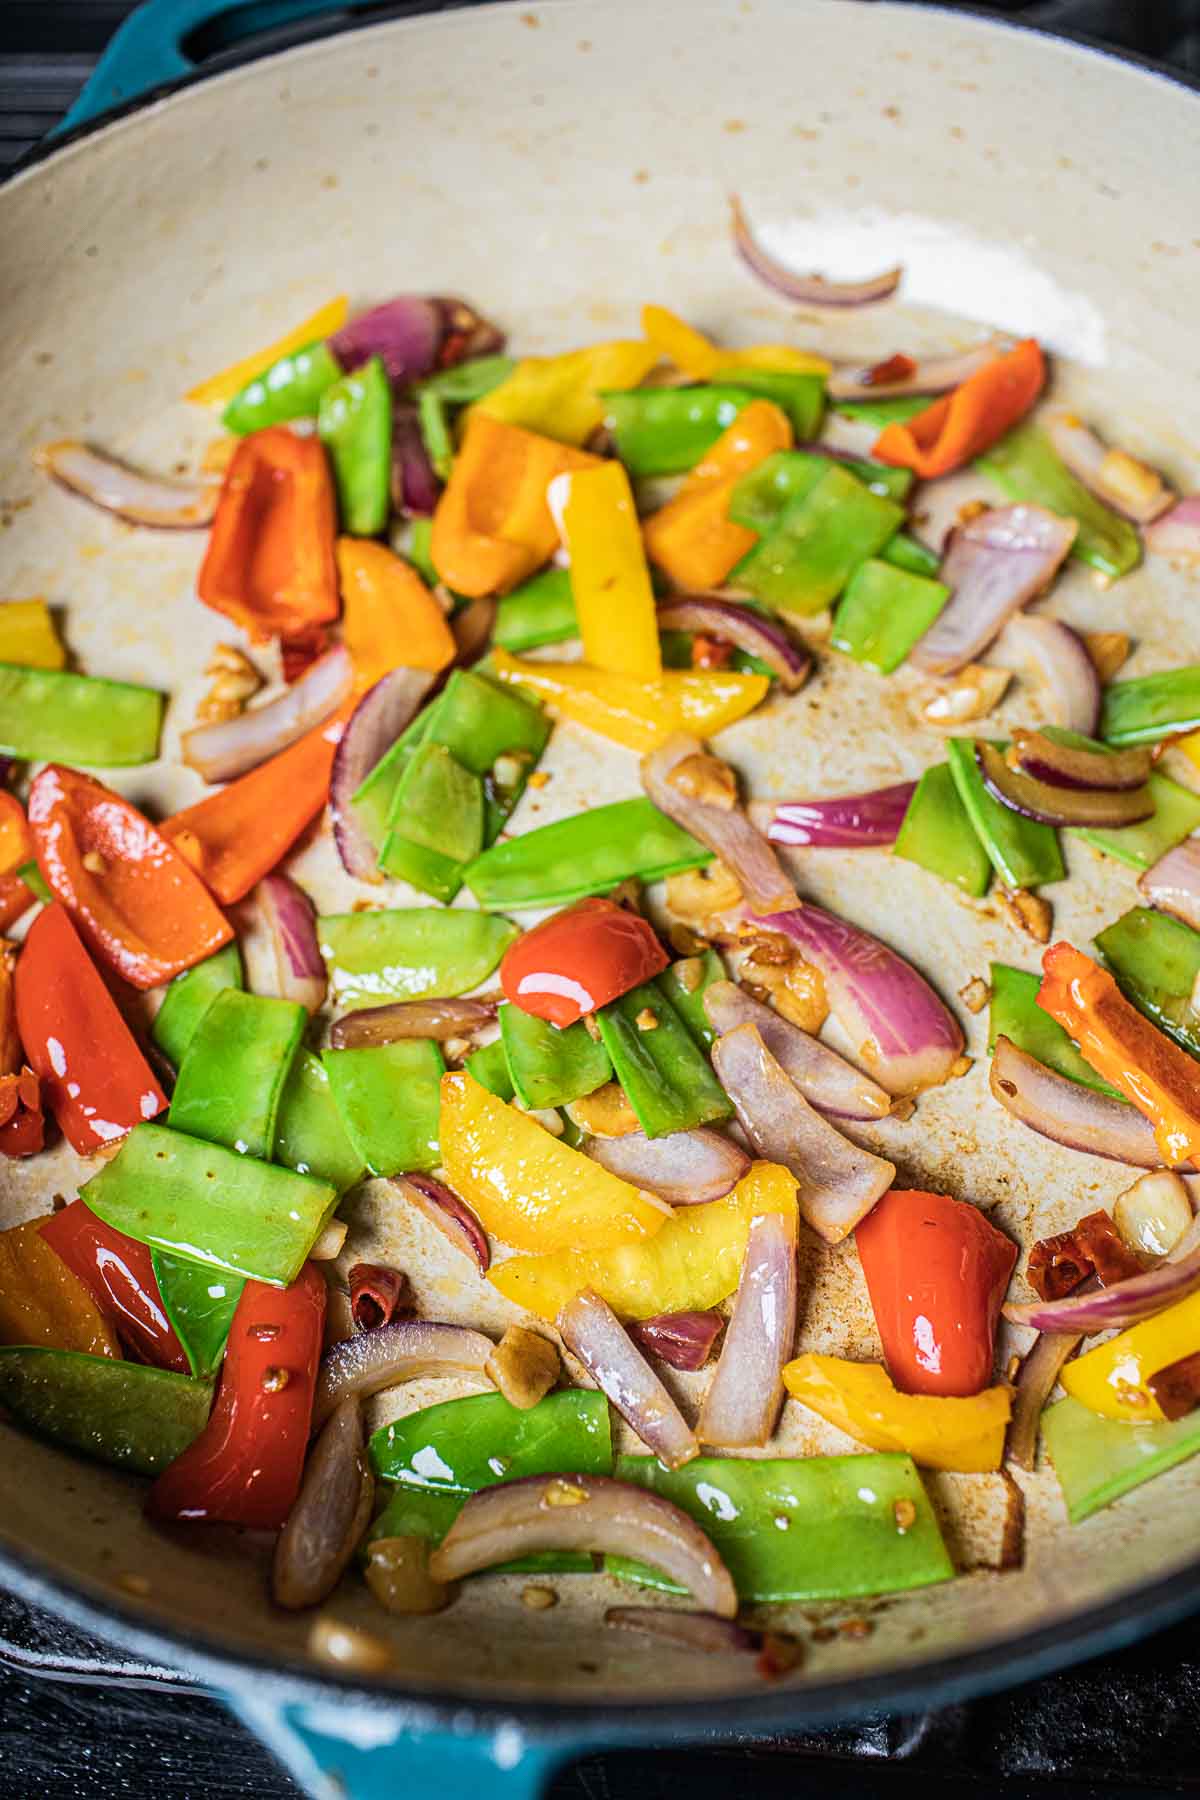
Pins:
<point x="237" y="835"/>
<point x="579" y="960"/>
<point x="246" y="1465"/>
<point x="968" y="421"/>
<point x="269" y="564"/>
<point x="936" y="1272"/>
<point x="118" y="1273"/>
<point x="95" y="1079"/>
<point x="130" y="892"/>
<point x="23" y="1131"/>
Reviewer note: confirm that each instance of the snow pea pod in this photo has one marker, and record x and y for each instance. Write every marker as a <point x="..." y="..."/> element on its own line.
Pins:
<point x="1151" y="707"/>
<point x="819" y="540"/>
<point x="763" y="494"/>
<point x="588" y="853"/>
<point x="406" y="955"/>
<point x="1025" y="464"/>
<point x="200" y="1303"/>
<point x="937" y="835"/>
<point x="665" y="431"/>
<point x="1176" y="815"/>
<point x="1098" y="1459"/>
<point x="896" y="411"/>
<point x="685" y="985"/>
<point x="541" y="611"/>
<point x="468" y="381"/>
<point x="388" y="1098"/>
<point x="189" y="997"/>
<point x="1015" y="1014"/>
<point x="62" y="717"/>
<point x="883" y="613"/>
<point x="291" y="388"/>
<point x="435" y="431"/>
<point x="1023" y="853"/>
<point x="549" y="1067"/>
<point x="309" y="1134"/>
<point x="354" y="422"/>
<point x="435" y="823"/>
<point x="667" y="1078"/>
<point x="1156" y="960"/>
<point x="909" y="553"/>
<point x="234" y="1069"/>
<point x="128" y="1414"/>
<point x="489" y="1066"/>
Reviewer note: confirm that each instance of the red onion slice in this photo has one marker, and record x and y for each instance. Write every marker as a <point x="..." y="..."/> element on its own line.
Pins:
<point x="452" y="1216"/>
<point x="726" y="831"/>
<point x="744" y="1397"/>
<point x="686" y="1168"/>
<point x="740" y="625"/>
<point x="593" y="1333"/>
<point x="1127" y="485"/>
<point x="935" y="375"/>
<point x="1099" y="808"/>
<point x="849" y="822"/>
<point x="331" y="1512"/>
<point x="1064" y="1111"/>
<point x="1173" y="884"/>
<point x="233" y="746"/>
<point x="588" y="1513"/>
<point x="1123" y="1303"/>
<point x="839" y="1183"/>
<point x="810" y="290"/>
<point x="415" y="486"/>
<point x="904" y="1033"/>
<point x="1176" y="533"/>
<point x="994" y="565"/>
<point x="1058" y="656"/>
<point x="415" y="334"/>
<point x="687" y="1630"/>
<point x="682" y="1340"/>
<point x="472" y="626"/>
<point x="377" y="1295"/>
<point x="371" y="730"/>
<point x="826" y="1080"/>
<point x="291" y="919"/>
<point x="402" y="1351"/>
<point x="1039" y="1371"/>
<point x="138" y="499"/>
<point x="440" y="1019"/>
<point x="1071" y="766"/>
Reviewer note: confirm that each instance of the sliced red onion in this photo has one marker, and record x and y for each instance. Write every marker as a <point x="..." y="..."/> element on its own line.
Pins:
<point x="1122" y="482"/>
<point x="903" y="1032"/>
<point x="686" y="1630"/>
<point x="740" y="625"/>
<point x="377" y="1295"/>
<point x="452" y="1216"/>
<point x="332" y="1510"/>
<point x="373" y="727"/>
<point x="231" y="747"/>
<point x="686" y="1168"/>
<point x="1059" y="657"/>
<point x="934" y="375"/>
<point x="415" y="486"/>
<point x="849" y="822"/>
<point x="414" y="334"/>
<point x="1071" y="766"/>
<point x="472" y="626"/>
<point x="588" y="1513"/>
<point x="682" y="1340"/>
<point x="810" y="290"/>
<point x="1173" y="884"/>
<point x="726" y="831"/>
<point x="138" y="499"/>
<point x="826" y="1080"/>
<point x="439" y="1019"/>
<point x="1177" y="533"/>
<point x="744" y="1397"/>
<point x="291" y="919"/>
<point x="1102" y="808"/>
<point x="1068" y="1113"/>
<point x="593" y="1333"/>
<point x="839" y="1183"/>
<point x="402" y="1351"/>
<point x="1039" y="1371"/>
<point x="1124" y="1303"/>
<point x="993" y="565"/>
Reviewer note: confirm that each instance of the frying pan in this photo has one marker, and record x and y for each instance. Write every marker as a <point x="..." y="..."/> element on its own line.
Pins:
<point x="558" y="162"/>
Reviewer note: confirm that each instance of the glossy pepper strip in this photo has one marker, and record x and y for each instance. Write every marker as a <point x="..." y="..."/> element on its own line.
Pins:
<point x="43" y="1302"/>
<point x="246" y="1465"/>
<point x="238" y="834"/>
<point x="939" y="1431"/>
<point x="614" y="601"/>
<point x="132" y="895"/>
<point x="1115" y="1378"/>
<point x="117" y="1272"/>
<point x="354" y="422"/>
<point x="94" y="1078"/>
<point x="269" y="564"/>
<point x="579" y="960"/>
<point x="639" y="714"/>
<point x="389" y="617"/>
<point x="689" y="349"/>
<point x="219" y="389"/>
<point x="968" y="421"/>
<point x="1161" y="1080"/>
<point x="936" y="1272"/>
<point x="693" y="538"/>
<point x="559" y="396"/>
<point x="122" y="1413"/>
<point x="22" y="1127"/>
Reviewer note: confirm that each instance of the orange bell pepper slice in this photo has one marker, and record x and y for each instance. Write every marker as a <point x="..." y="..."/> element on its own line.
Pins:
<point x="968" y="421"/>
<point x="389" y="617"/>
<point x="269" y="564"/>
<point x="692" y="538"/>
<point x="1159" y="1078"/>
<point x="43" y="1302"/>
<point x="16" y="847"/>
<point x="134" y="898"/>
<point x="237" y="835"/>
<point x="492" y="526"/>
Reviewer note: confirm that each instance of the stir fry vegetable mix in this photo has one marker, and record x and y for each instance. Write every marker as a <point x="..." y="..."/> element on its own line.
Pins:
<point x="171" y="1318"/>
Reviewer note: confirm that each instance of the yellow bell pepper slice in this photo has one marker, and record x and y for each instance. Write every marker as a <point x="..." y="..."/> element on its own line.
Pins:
<point x="1113" y="1379"/>
<point x="219" y="389"/>
<point x="559" y="396"/>
<point x="610" y="582"/>
<point x="693" y="1263"/>
<point x="27" y="636"/>
<point x="639" y="714"/>
<point x="389" y="617"/>
<point x="937" y="1431"/>
<point x="43" y="1302"/>
<point x="1190" y="745"/>
<point x="528" y="1188"/>
<point x="689" y="349"/>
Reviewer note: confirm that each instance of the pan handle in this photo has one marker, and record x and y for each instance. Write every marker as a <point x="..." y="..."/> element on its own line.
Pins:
<point x="148" y="49"/>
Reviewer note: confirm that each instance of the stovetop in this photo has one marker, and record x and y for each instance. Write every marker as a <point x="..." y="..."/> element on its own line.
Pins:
<point x="80" y="1722"/>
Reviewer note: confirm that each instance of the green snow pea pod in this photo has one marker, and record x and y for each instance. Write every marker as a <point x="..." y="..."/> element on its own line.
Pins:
<point x="1023" y="853"/>
<point x="389" y="1099"/>
<point x="189" y="997"/>
<point x="437" y="808"/>
<point x="1156" y="960"/>
<point x="468" y="381"/>
<point x="417" y="550"/>
<point x="463" y="1445"/>
<point x="820" y="539"/>
<point x="373" y="801"/>
<point x="489" y="1066"/>
<point x="685" y="984"/>
<point x="435" y="431"/>
<point x="937" y="835"/>
<point x="1026" y="465"/>
<point x="200" y="1304"/>
<point x="763" y="494"/>
<point x="540" y="611"/>
<point x="426" y="870"/>
<point x="665" y="431"/>
<point x="1151" y="707"/>
<point x="906" y="552"/>
<point x="123" y="1413"/>
<point x="406" y="955"/>
<point x="62" y="717"/>
<point x="883" y="613"/>
<point x="897" y="411"/>
<point x="588" y="853"/>
<point x="309" y="1134"/>
<point x="801" y="397"/>
<point x="1176" y="815"/>
<point x="1015" y="1014"/>
<point x="843" y="1535"/>
<point x="549" y="1067"/>
<point x="234" y="1069"/>
<point x="1098" y="1459"/>
<point x="290" y="389"/>
<point x="355" y="425"/>
<point x="667" y="1078"/>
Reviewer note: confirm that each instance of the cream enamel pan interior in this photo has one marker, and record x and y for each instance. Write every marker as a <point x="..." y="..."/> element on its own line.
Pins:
<point x="558" y="164"/>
